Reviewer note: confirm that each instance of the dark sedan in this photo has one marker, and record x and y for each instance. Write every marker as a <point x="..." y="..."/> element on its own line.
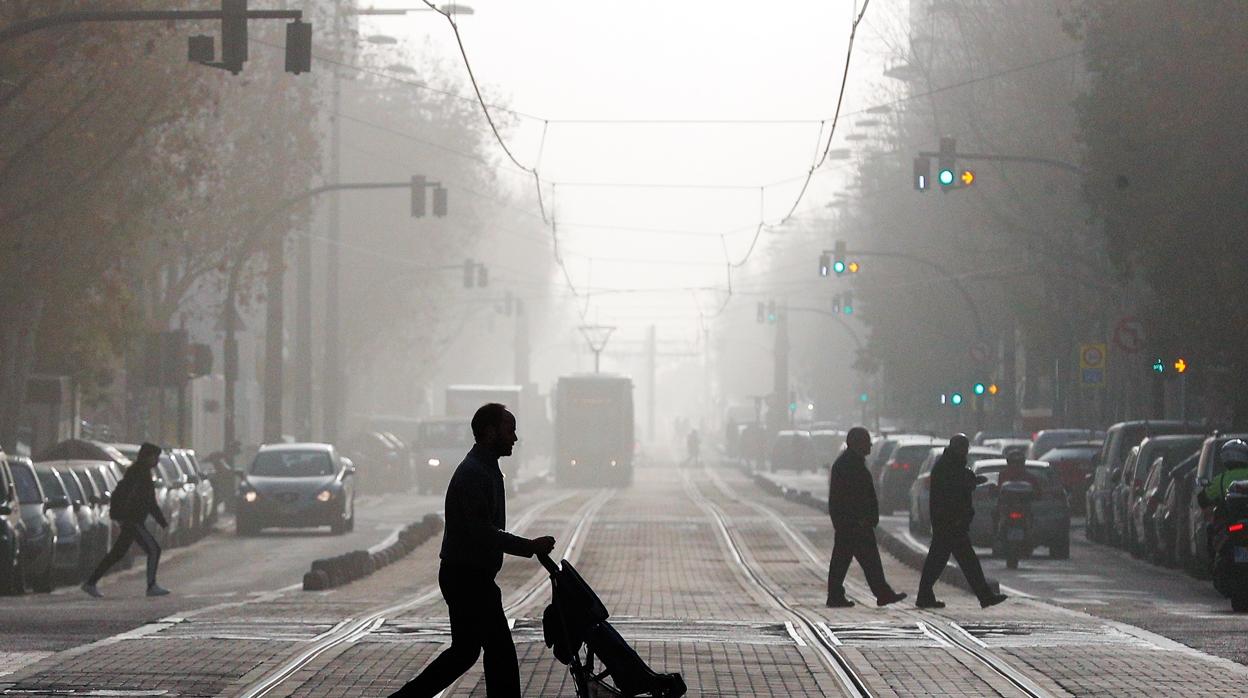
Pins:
<point x="40" y="537"/>
<point x="297" y="485"/>
<point x="1170" y="520"/>
<point x="12" y="531"/>
<point x="1130" y="486"/>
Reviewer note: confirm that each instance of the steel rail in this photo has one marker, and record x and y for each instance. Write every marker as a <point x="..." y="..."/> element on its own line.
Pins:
<point x="841" y="667"/>
<point x="352" y="629"/>
<point x="955" y="639"/>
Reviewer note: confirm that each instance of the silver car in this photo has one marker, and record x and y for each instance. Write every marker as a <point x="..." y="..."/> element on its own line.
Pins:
<point x="1050" y="511"/>
<point x="920" y="512"/>
<point x="297" y="485"/>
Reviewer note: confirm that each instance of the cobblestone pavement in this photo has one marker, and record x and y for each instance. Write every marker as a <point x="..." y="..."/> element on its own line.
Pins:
<point x="704" y="573"/>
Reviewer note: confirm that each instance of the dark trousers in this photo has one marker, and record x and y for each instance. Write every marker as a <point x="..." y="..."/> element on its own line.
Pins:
<point x="130" y="533"/>
<point x="856" y="542"/>
<point x="958" y="544"/>
<point x="477" y="624"/>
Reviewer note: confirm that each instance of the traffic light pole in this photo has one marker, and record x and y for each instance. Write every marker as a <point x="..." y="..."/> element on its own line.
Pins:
<point x="18" y="29"/>
<point x="229" y="309"/>
<point x="990" y="157"/>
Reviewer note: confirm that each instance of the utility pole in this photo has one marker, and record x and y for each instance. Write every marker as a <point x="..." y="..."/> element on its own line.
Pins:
<point x="521" y="367"/>
<point x="651" y="381"/>
<point x="780" y="378"/>
<point x="303" y="340"/>
<point x="335" y="390"/>
<point x="274" y="329"/>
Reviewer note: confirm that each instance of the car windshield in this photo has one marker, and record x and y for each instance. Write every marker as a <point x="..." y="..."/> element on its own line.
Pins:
<point x="1076" y="453"/>
<point x="168" y="469"/>
<point x="52" y="486"/>
<point x="911" y="455"/>
<point x="71" y="485"/>
<point x="27" y="486"/>
<point x="1046" y="476"/>
<point x="443" y="434"/>
<point x="292" y="464"/>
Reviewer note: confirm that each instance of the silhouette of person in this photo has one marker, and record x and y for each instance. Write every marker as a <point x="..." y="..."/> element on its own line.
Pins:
<point x="855" y="513"/>
<point x="693" y="445"/>
<point x="952" y="509"/>
<point x="132" y="501"/>
<point x="473" y="544"/>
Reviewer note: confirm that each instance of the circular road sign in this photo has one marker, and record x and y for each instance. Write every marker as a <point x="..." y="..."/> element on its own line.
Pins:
<point x="1129" y="334"/>
<point x="1092" y="356"/>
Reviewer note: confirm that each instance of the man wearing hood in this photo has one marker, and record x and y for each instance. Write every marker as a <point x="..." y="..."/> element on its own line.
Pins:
<point x="132" y="501"/>
<point x="953" y="485"/>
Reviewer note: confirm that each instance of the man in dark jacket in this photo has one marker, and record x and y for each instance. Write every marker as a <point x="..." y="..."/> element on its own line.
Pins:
<point x="132" y="501"/>
<point x="952" y="509"/>
<point x="472" y="554"/>
<point x="855" y="513"/>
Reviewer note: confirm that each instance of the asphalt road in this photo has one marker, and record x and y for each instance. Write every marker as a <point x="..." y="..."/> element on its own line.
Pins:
<point x="1102" y="581"/>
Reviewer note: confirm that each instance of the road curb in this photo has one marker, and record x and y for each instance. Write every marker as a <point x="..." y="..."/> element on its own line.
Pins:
<point x="337" y="571"/>
<point x="891" y="544"/>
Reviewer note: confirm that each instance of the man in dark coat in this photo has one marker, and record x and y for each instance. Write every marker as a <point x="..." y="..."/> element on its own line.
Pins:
<point x="855" y="513"/>
<point x="132" y="501"/>
<point x="473" y="544"/>
<point x="952" y="509"/>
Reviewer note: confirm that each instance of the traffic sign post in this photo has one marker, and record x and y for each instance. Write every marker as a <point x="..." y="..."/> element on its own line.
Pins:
<point x="1092" y="357"/>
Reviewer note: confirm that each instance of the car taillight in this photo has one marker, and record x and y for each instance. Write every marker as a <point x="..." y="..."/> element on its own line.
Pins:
<point x="900" y="466"/>
<point x="1235" y="528"/>
<point x="1016" y="515"/>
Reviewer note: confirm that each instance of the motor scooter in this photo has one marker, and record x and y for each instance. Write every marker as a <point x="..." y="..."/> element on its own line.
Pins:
<point x="1229" y="538"/>
<point x="1013" y="515"/>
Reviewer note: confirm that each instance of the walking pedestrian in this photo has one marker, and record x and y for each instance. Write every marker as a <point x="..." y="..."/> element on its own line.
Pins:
<point x="855" y="513"/>
<point x="472" y="554"/>
<point x="132" y="501"/>
<point x="951" y="512"/>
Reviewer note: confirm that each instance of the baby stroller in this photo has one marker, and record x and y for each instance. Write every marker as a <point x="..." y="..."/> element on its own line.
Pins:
<point x="576" y="619"/>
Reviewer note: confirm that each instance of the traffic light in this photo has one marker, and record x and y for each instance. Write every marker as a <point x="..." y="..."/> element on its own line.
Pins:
<point x="922" y="173"/>
<point x="483" y="276"/>
<point x="863" y="397"/>
<point x="993" y="389"/>
<point x="955" y="399"/>
<point x="847" y="304"/>
<point x="792" y="401"/>
<point x="979" y="388"/>
<point x="1180" y="365"/>
<point x="199" y="360"/>
<point x="418" y="196"/>
<point x="825" y="264"/>
<point x="771" y="312"/>
<point x="298" y="47"/>
<point x="853" y="267"/>
<point x="946" y="162"/>
<point x="469" y="273"/>
<point x="838" y="257"/>
<point x="233" y="35"/>
<point x="439" y="202"/>
<point x="1159" y="366"/>
<point x="762" y="312"/>
<point x="836" y="303"/>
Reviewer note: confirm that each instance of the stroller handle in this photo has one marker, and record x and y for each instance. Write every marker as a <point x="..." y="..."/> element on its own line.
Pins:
<point x="549" y="564"/>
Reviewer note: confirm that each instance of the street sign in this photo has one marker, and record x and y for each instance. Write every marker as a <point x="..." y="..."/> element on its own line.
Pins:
<point x="979" y="352"/>
<point x="1092" y="363"/>
<point x="1129" y="334"/>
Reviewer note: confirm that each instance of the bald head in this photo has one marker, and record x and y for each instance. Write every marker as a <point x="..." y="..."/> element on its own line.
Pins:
<point x="858" y="440"/>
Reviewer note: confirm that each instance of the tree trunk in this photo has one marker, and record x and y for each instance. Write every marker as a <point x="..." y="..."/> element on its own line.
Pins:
<point x="17" y="359"/>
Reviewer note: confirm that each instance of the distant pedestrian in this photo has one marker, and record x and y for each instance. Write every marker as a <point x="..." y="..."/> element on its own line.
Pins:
<point x="855" y="513"/>
<point x="952" y="487"/>
<point x="693" y="447"/>
<point x="132" y="501"/>
<point x="472" y="554"/>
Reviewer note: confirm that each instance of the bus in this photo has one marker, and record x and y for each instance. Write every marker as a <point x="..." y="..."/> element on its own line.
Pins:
<point x="594" y="435"/>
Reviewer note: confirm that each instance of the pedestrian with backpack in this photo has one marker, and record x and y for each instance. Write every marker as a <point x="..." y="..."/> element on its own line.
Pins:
<point x="132" y="501"/>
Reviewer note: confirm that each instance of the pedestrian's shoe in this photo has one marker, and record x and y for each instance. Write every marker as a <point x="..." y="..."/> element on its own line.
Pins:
<point x="992" y="600"/>
<point x="157" y="590"/>
<point x="929" y="602"/>
<point x="91" y="590"/>
<point x="886" y="600"/>
<point x="842" y="602"/>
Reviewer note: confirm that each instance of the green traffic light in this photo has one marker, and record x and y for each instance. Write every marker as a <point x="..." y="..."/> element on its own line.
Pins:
<point x="863" y="397"/>
<point x="955" y="399"/>
<point x="979" y="388"/>
<point x="945" y="177"/>
<point x="838" y="266"/>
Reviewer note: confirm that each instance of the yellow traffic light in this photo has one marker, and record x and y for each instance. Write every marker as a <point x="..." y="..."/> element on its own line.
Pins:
<point x="993" y="389"/>
<point x="853" y="267"/>
<point x="1180" y="365"/>
<point x="967" y="177"/>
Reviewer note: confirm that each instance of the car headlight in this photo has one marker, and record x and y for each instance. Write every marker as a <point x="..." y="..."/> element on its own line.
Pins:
<point x="573" y="461"/>
<point x="612" y="464"/>
<point x="324" y="496"/>
<point x="250" y="496"/>
<point x="434" y="462"/>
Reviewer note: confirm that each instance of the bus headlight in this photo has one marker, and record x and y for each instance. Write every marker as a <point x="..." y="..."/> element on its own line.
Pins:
<point x="434" y="462"/>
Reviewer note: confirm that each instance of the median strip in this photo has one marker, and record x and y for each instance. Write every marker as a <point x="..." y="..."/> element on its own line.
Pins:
<point x="331" y="572"/>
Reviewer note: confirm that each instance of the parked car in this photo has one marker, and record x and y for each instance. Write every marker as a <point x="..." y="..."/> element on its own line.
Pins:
<point x="39" y="535"/>
<point x="12" y="532"/>
<point x="297" y="485"/>
<point x="441" y="445"/>
<point x="982" y="437"/>
<point x="194" y="496"/>
<point x="1150" y="507"/>
<point x="1074" y="463"/>
<point x="93" y="498"/>
<point x="178" y="493"/>
<point x="92" y="532"/>
<point x="1130" y="488"/>
<point x="900" y="470"/>
<point x="1007" y="446"/>
<point x="384" y="461"/>
<point x="1119" y="440"/>
<point x="828" y="445"/>
<point x="882" y="450"/>
<point x="1050" y="511"/>
<point x="1198" y="559"/>
<point x="1048" y="439"/>
<point x="793" y="449"/>
<point x="920" y="512"/>
<point x="69" y="538"/>
<point x="1170" y="519"/>
<point x="206" y="489"/>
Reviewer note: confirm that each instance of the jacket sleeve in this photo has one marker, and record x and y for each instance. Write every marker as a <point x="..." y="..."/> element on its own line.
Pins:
<point x="481" y="530"/>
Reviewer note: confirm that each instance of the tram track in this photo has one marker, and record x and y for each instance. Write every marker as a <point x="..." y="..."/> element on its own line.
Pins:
<point x="352" y="629"/>
<point x="953" y="636"/>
